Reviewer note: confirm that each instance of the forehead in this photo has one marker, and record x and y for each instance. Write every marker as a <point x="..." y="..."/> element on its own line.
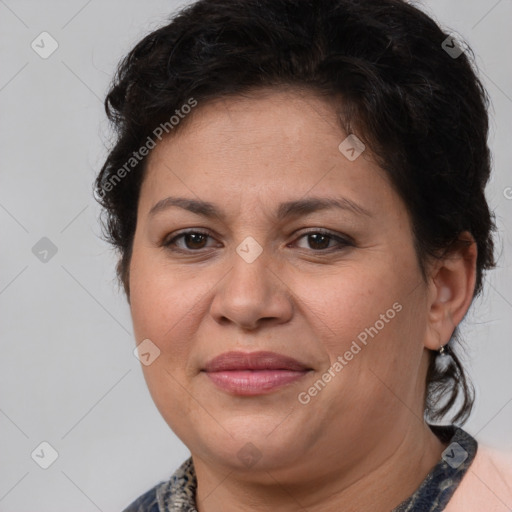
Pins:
<point x="266" y="123"/>
<point x="272" y="144"/>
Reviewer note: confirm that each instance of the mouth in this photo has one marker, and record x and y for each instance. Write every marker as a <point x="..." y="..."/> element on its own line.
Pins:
<point x="253" y="373"/>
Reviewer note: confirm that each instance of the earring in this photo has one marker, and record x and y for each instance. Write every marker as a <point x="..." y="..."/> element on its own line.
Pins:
<point x="443" y="358"/>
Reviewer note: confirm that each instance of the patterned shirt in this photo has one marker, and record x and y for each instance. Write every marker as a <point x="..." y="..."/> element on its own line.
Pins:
<point x="179" y="492"/>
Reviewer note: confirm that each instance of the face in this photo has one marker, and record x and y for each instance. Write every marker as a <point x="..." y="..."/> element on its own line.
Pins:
<point x="278" y="269"/>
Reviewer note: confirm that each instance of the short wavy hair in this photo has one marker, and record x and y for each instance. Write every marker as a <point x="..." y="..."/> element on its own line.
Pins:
<point x="420" y="107"/>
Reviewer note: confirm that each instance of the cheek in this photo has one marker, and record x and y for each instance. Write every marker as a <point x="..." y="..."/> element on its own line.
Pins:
<point x="165" y="305"/>
<point x="342" y="305"/>
<point x="162" y="310"/>
<point x="370" y="314"/>
<point x="354" y="299"/>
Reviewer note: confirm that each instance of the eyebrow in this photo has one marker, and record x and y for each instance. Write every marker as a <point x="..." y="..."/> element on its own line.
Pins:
<point x="285" y="210"/>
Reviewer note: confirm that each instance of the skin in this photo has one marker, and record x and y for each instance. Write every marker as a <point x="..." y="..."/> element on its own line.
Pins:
<point x="359" y="444"/>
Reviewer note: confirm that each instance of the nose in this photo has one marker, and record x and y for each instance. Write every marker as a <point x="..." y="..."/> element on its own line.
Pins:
<point x="251" y="294"/>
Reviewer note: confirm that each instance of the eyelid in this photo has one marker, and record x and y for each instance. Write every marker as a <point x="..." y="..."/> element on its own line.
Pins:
<point x="343" y="240"/>
<point x="167" y="240"/>
<point x="323" y="231"/>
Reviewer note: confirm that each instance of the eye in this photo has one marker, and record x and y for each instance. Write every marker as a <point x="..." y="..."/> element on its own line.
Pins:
<point x="319" y="240"/>
<point x="193" y="241"/>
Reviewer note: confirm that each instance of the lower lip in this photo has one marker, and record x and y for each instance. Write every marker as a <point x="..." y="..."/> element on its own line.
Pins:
<point x="254" y="382"/>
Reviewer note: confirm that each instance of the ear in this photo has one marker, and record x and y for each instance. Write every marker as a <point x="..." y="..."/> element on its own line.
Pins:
<point x="452" y="284"/>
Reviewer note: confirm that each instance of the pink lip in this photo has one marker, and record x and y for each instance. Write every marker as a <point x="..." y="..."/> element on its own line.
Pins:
<point x="253" y="373"/>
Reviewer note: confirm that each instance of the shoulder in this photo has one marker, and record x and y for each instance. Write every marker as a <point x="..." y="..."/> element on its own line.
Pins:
<point x="487" y="484"/>
<point x="147" y="502"/>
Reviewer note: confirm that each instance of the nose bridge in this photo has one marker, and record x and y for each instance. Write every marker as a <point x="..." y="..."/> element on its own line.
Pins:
<point x="251" y="276"/>
<point x="251" y="290"/>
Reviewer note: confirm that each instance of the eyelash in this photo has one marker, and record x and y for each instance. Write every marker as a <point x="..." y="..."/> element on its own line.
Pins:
<point x="343" y="242"/>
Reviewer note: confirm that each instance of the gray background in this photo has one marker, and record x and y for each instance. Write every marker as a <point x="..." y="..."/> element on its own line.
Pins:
<point x="67" y="372"/>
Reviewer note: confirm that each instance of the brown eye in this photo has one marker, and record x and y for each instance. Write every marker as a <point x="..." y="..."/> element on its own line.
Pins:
<point x="193" y="241"/>
<point x="320" y="240"/>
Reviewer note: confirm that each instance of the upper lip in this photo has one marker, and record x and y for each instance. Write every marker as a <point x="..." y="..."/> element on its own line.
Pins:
<point x="263" y="360"/>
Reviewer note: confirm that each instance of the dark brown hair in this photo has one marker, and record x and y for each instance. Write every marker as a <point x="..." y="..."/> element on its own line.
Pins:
<point x="406" y="93"/>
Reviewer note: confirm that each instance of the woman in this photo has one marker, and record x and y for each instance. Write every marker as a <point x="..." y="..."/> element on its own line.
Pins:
<point x="297" y="196"/>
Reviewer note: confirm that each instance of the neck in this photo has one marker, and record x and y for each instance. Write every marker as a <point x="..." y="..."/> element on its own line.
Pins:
<point x="377" y="482"/>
